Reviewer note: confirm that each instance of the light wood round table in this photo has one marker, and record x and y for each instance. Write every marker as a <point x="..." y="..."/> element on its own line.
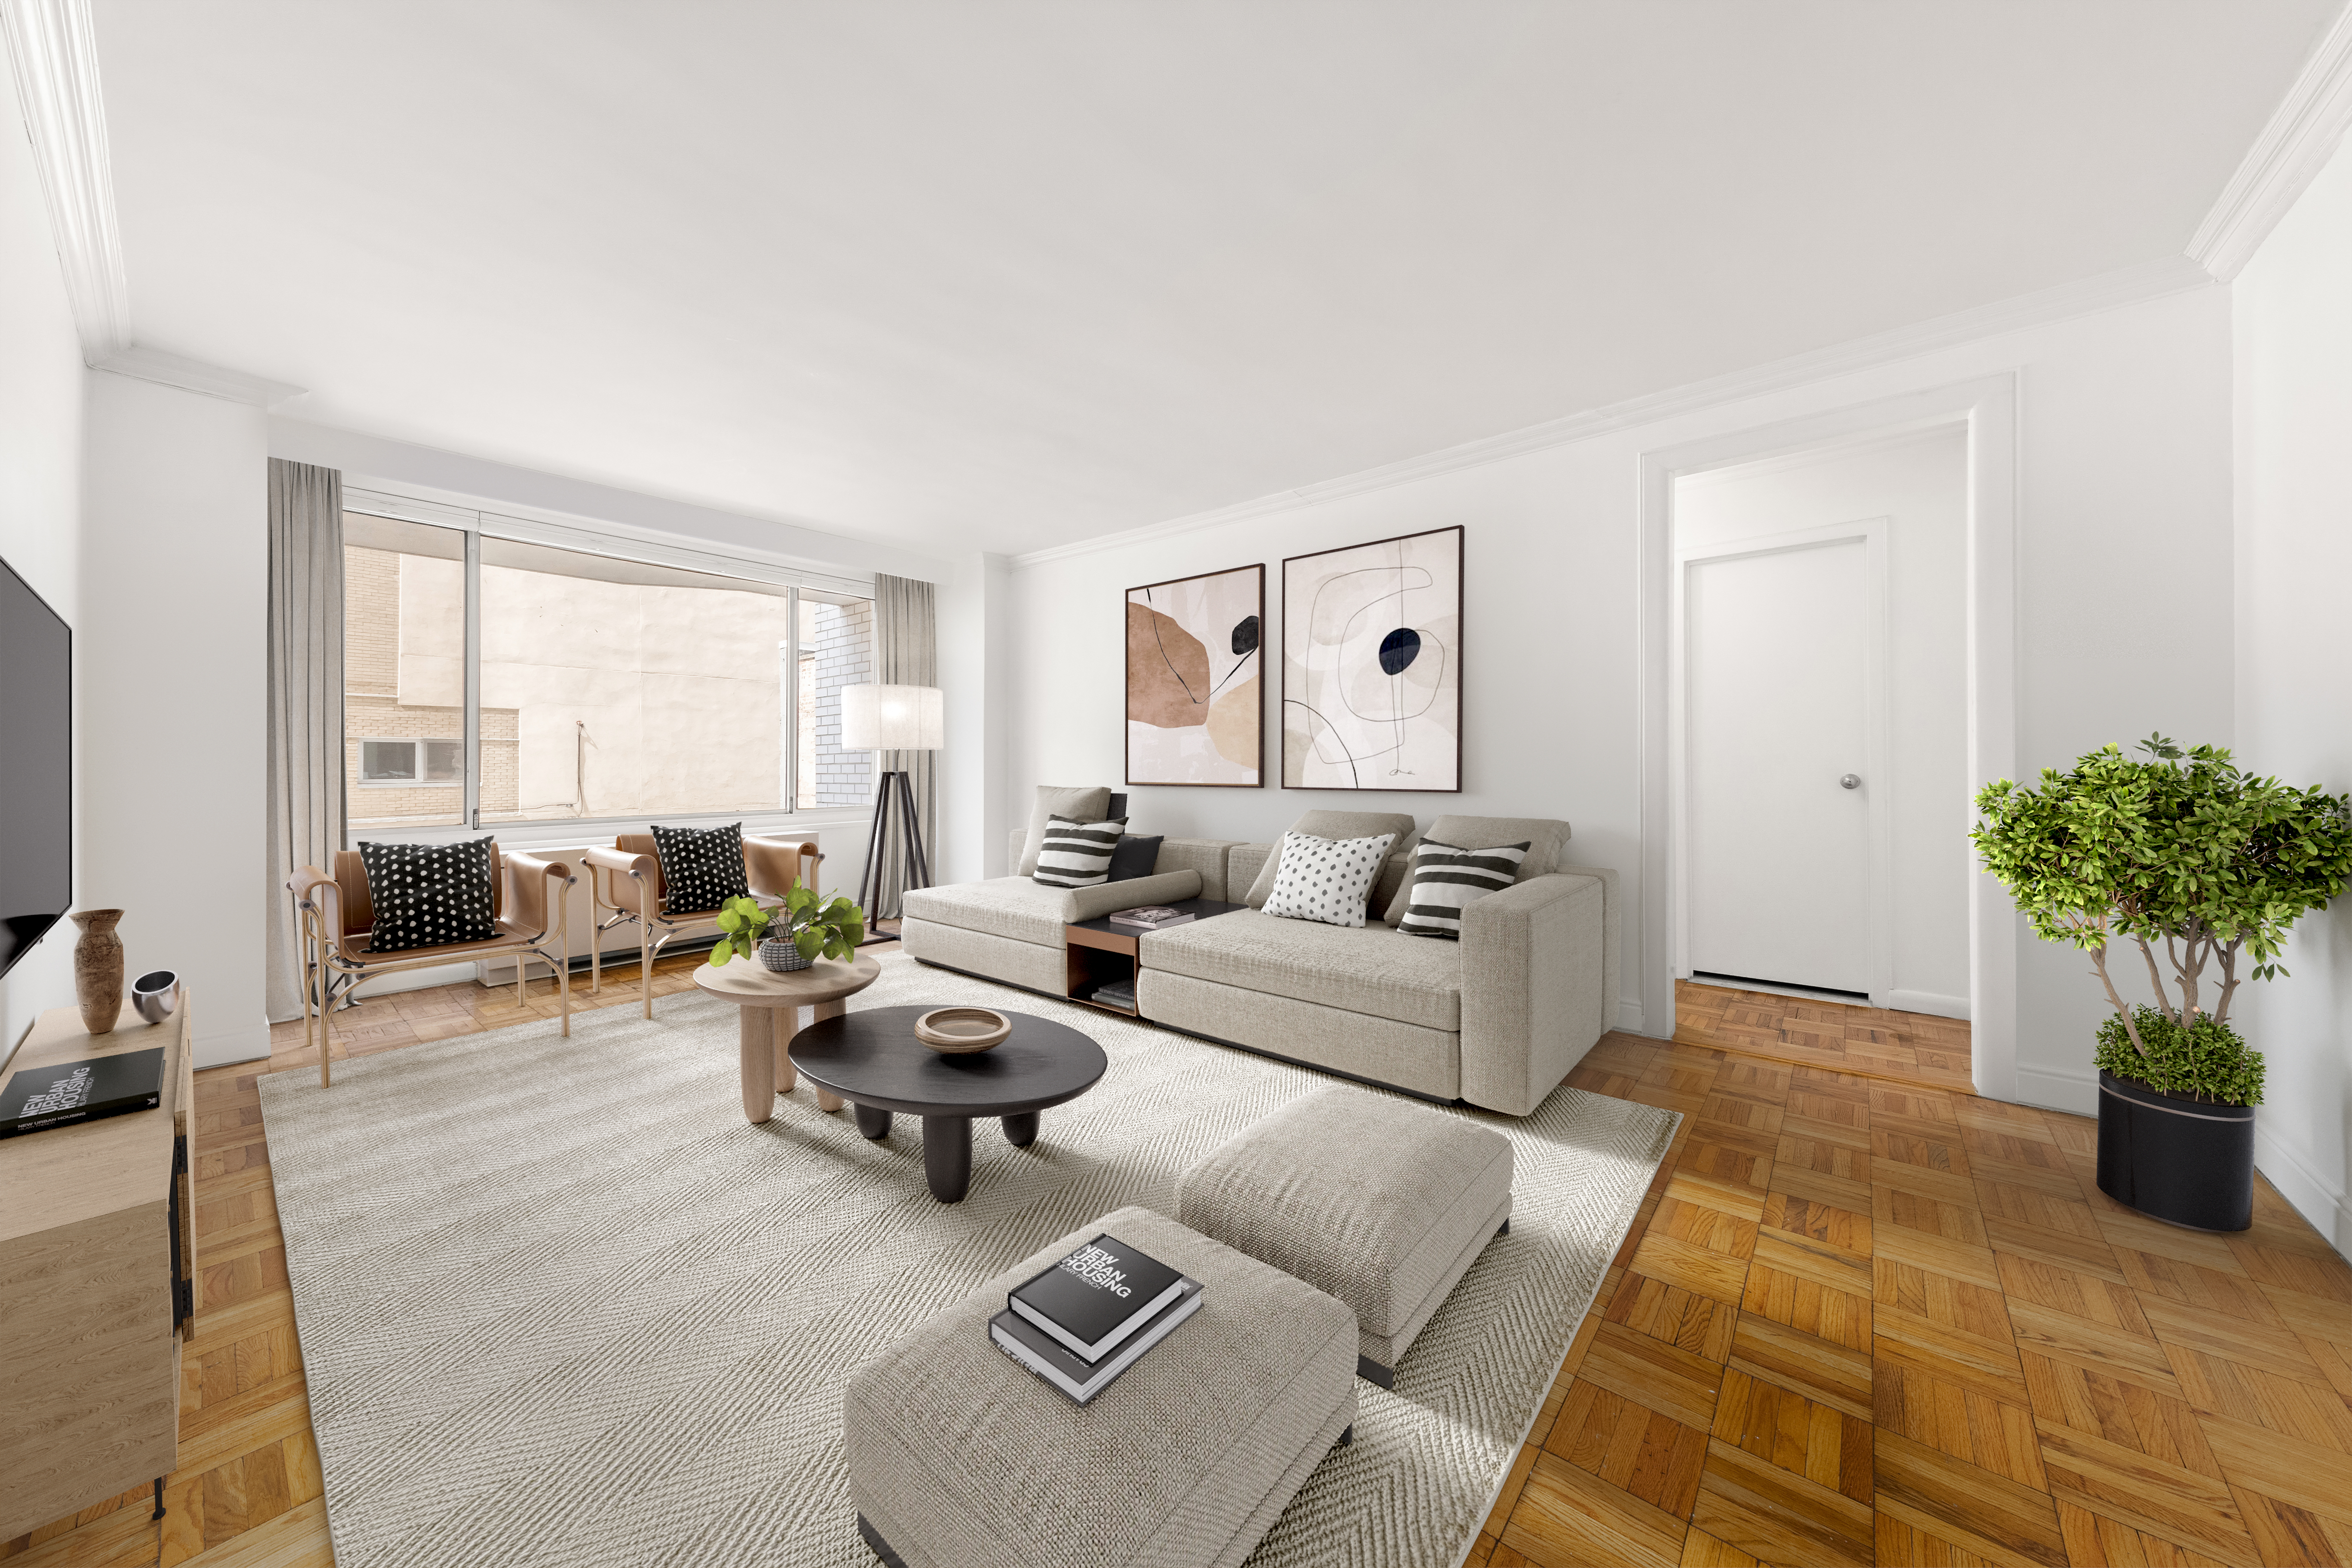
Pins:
<point x="771" y="1005"/>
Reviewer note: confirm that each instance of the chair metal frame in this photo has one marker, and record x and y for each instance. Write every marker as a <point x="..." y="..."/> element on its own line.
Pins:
<point x="647" y="907"/>
<point x="332" y="970"/>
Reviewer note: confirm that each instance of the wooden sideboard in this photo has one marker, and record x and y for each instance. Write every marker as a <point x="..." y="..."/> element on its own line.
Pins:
<point x="98" y="1265"/>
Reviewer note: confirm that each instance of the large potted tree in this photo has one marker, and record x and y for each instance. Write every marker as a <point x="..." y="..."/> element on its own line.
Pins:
<point x="2184" y="853"/>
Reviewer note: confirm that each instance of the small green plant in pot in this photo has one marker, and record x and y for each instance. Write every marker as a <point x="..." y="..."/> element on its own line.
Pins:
<point x="806" y="927"/>
<point x="2185" y="853"/>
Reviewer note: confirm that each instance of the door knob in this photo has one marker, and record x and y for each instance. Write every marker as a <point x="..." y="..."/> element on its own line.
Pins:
<point x="1851" y="781"/>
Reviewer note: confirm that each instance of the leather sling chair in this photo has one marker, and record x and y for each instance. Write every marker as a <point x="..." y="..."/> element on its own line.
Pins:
<point x="626" y="880"/>
<point x="335" y="918"/>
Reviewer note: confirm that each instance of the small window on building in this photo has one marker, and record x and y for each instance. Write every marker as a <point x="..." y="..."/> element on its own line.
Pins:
<point x="413" y="761"/>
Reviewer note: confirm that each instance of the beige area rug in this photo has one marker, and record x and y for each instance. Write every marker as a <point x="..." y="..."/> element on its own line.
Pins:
<point x="560" y="1303"/>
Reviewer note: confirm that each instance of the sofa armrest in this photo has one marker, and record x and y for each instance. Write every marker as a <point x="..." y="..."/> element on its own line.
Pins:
<point x="1206" y="856"/>
<point x="1109" y="897"/>
<point x="1613" y="919"/>
<point x="772" y="866"/>
<point x="1533" y="998"/>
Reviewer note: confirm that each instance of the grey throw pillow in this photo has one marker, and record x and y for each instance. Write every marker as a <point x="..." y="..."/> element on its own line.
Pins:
<point x="1135" y="856"/>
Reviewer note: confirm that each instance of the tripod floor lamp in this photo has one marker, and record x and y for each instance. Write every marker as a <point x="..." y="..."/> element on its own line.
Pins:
<point x="892" y="719"/>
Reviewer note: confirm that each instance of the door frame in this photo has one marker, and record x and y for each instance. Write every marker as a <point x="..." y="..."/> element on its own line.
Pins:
<point x="1877" y="718"/>
<point x="1988" y="406"/>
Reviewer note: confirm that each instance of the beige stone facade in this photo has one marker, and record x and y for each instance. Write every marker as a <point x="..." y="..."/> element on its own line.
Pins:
<point x="600" y="697"/>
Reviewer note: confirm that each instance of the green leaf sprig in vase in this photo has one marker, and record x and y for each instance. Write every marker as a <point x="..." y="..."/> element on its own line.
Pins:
<point x="806" y="927"/>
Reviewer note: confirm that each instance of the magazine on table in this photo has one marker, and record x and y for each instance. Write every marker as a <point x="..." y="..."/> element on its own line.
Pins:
<point x="1152" y="917"/>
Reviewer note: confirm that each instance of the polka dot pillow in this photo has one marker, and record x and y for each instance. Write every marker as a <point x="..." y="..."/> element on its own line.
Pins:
<point x="701" y="867"/>
<point x="428" y="894"/>
<point x="1326" y="879"/>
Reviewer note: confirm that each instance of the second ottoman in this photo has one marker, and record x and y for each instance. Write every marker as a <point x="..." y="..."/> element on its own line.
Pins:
<point x="1380" y="1202"/>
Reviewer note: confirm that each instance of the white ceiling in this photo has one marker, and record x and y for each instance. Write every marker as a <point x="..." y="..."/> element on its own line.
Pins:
<point x="1008" y="275"/>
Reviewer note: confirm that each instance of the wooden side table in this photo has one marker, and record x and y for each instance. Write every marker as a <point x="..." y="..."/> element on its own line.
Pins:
<point x="771" y="1005"/>
<point x="1087" y="941"/>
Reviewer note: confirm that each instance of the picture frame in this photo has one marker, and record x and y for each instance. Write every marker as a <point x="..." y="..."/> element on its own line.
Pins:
<point x="1371" y="665"/>
<point x="1195" y="681"/>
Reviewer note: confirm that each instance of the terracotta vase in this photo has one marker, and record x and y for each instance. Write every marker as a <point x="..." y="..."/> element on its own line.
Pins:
<point x="98" y="969"/>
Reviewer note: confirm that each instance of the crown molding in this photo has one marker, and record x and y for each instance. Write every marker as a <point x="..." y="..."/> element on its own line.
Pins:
<point x="2285" y="159"/>
<point x="195" y="375"/>
<point x="54" y="49"/>
<point x="2083" y="296"/>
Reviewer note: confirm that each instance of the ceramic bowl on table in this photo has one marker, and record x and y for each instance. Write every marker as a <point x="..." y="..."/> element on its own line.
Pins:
<point x="952" y="1031"/>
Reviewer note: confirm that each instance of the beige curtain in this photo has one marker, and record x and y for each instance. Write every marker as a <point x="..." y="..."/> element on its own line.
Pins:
<point x="906" y="653"/>
<point x="305" y="701"/>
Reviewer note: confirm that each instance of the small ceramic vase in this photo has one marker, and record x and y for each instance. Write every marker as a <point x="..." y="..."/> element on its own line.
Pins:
<point x="98" y="969"/>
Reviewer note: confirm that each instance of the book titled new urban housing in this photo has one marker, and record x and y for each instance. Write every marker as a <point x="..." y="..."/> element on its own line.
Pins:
<point x="39" y="1098"/>
<point x="1097" y="1295"/>
<point x="1034" y="1348"/>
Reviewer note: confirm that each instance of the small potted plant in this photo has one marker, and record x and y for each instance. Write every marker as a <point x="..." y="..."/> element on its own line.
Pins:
<point x="806" y="927"/>
<point x="2184" y="852"/>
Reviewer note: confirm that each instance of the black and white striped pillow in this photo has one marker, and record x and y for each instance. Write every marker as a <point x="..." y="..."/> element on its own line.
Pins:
<point x="1077" y="854"/>
<point x="1446" y="878"/>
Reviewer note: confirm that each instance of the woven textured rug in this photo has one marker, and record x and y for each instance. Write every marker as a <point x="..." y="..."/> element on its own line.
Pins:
<point x="560" y="1303"/>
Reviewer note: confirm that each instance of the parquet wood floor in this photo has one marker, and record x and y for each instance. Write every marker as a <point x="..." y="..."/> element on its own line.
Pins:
<point x="1867" y="1317"/>
<point x="1908" y="1046"/>
<point x="1860" y="1319"/>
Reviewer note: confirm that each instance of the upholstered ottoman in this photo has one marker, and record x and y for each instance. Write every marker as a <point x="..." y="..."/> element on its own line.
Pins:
<point x="960" y="1458"/>
<point x="1382" y="1203"/>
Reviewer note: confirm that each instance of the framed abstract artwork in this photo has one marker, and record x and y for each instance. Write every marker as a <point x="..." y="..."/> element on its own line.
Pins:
<point x="1371" y="666"/>
<point x="1195" y="698"/>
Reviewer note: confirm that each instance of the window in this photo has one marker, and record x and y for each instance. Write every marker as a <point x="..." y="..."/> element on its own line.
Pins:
<point x="413" y="761"/>
<point x="599" y="687"/>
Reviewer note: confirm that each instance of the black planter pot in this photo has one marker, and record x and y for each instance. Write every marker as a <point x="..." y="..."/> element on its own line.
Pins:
<point x="2175" y="1159"/>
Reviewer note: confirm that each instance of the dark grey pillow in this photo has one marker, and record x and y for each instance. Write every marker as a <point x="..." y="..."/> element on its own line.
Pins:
<point x="1135" y="856"/>
<point x="427" y="895"/>
<point x="701" y="867"/>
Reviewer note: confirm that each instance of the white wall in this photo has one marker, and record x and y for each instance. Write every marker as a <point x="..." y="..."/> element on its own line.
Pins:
<point x="1918" y="481"/>
<point x="2124" y="506"/>
<point x="2293" y="331"/>
<point x="974" y="607"/>
<point x="173" y="645"/>
<point x="40" y="478"/>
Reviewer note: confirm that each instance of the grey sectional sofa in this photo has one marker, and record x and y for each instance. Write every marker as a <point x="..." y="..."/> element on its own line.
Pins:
<point x="1495" y="1020"/>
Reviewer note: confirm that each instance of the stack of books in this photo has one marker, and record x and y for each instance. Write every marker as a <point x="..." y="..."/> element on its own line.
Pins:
<point x="1151" y="917"/>
<point x="1091" y="1316"/>
<point x="1119" y="992"/>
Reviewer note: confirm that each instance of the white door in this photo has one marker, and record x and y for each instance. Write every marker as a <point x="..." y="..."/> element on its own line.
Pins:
<point x="1779" y="701"/>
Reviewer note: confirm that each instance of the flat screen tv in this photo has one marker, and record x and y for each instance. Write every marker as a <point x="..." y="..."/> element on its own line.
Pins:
<point x="36" y="767"/>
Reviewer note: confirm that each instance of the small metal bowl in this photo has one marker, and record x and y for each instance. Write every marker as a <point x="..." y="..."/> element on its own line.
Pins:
<point x="155" y="995"/>
<point x="952" y="1031"/>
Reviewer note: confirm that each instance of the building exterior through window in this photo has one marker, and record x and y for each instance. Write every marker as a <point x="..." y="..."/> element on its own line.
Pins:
<point x="609" y="687"/>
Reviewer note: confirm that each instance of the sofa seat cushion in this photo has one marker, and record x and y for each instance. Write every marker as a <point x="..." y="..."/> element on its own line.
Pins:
<point x="1028" y="911"/>
<point x="1369" y="969"/>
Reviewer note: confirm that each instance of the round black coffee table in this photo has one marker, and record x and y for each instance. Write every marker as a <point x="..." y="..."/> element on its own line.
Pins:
<point x="873" y="1059"/>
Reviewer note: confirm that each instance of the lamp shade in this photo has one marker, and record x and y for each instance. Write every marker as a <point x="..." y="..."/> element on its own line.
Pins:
<point x="892" y="718"/>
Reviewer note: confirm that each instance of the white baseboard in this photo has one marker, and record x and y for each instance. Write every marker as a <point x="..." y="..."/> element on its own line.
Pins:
<point x="1929" y="1002"/>
<point x="238" y="1043"/>
<point x="1629" y="1018"/>
<point x="2074" y="1089"/>
<point x="2314" y="1197"/>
